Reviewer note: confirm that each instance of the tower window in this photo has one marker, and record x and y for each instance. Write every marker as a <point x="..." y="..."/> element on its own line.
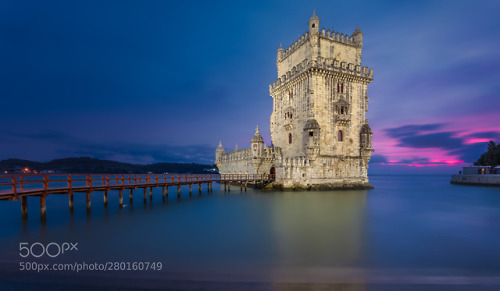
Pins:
<point x="311" y="133"/>
<point x="313" y="25"/>
<point x="340" y="136"/>
<point x="340" y="87"/>
<point x="290" y="138"/>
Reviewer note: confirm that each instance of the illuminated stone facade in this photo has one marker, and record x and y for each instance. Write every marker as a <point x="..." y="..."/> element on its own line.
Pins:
<point x="319" y="133"/>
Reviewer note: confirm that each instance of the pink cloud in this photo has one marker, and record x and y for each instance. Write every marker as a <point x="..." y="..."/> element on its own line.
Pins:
<point x="476" y="140"/>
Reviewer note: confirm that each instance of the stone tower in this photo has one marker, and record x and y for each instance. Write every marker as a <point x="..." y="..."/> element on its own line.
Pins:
<point x="320" y="136"/>
<point x="319" y="105"/>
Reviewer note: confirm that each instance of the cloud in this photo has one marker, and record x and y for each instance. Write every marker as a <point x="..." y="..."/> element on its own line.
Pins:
<point x="492" y="135"/>
<point x="454" y="146"/>
<point x="439" y="140"/>
<point x="412" y="129"/>
<point x="423" y="136"/>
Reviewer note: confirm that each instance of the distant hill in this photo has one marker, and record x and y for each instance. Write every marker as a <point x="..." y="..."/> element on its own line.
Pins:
<point x="97" y="166"/>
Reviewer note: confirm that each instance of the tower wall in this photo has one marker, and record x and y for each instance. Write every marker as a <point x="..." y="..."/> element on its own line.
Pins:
<point x="320" y="80"/>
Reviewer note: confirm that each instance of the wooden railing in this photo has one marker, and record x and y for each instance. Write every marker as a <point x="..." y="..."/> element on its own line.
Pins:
<point x="14" y="184"/>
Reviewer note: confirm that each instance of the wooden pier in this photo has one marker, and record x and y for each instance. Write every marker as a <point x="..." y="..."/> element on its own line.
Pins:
<point x="13" y="187"/>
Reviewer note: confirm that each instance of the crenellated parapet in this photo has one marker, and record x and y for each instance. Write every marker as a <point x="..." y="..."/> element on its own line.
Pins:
<point x="237" y="155"/>
<point x="325" y="64"/>
<point x="325" y="34"/>
<point x="293" y="47"/>
<point x="338" y="37"/>
<point x="246" y="154"/>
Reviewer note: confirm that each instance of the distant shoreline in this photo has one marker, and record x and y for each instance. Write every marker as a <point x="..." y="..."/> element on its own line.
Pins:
<point x="87" y="165"/>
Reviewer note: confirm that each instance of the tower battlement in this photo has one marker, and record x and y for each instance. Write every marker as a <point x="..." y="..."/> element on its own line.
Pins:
<point x="331" y="35"/>
<point x="328" y="65"/>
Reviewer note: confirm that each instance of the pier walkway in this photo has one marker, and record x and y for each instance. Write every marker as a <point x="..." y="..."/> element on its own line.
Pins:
<point x="13" y="187"/>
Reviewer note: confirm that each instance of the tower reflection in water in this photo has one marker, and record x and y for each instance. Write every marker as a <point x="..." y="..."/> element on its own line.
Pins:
<point x="320" y="239"/>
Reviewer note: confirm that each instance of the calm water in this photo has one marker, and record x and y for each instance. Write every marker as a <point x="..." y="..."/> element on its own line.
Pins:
<point x="409" y="233"/>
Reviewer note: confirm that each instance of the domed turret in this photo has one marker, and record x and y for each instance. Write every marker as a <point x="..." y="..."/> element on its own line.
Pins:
<point x="280" y="53"/>
<point x="366" y="137"/>
<point x="311" y="138"/>
<point x="314" y="24"/>
<point x="257" y="138"/>
<point x="219" y="152"/>
<point x="358" y="36"/>
<point x="257" y="144"/>
<point x="311" y="124"/>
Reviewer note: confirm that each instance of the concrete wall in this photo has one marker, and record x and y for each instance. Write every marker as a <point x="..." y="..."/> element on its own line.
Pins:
<point x="486" y="180"/>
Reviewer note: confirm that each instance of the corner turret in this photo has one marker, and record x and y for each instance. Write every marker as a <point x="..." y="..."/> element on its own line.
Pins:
<point x="366" y="137"/>
<point x="311" y="138"/>
<point x="219" y="152"/>
<point x="280" y="53"/>
<point x="257" y="144"/>
<point x="358" y="36"/>
<point x="314" y="24"/>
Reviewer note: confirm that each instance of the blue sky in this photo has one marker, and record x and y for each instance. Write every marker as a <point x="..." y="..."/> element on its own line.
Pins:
<point x="160" y="81"/>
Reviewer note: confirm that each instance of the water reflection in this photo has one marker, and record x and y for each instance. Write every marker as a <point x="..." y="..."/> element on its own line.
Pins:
<point x="324" y="230"/>
<point x="338" y="240"/>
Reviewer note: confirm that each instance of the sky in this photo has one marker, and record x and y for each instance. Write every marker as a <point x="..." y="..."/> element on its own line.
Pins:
<point x="164" y="81"/>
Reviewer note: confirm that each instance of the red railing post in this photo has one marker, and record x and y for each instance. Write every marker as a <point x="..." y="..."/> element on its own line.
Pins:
<point x="89" y="181"/>
<point x="21" y="181"/>
<point x="45" y="182"/>
<point x="70" y="184"/>
<point x="14" y="185"/>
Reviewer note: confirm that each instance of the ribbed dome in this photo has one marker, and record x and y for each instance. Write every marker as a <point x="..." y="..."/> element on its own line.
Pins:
<point x="314" y="17"/>
<point x="357" y="30"/>
<point x="342" y="101"/>
<point x="257" y="137"/>
<point x="220" y="148"/>
<point x="311" y="124"/>
<point x="366" y="129"/>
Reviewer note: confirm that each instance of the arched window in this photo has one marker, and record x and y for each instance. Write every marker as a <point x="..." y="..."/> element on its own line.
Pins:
<point x="290" y="138"/>
<point x="340" y="136"/>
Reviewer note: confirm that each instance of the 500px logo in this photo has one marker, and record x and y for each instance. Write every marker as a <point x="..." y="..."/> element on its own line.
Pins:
<point x="51" y="249"/>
